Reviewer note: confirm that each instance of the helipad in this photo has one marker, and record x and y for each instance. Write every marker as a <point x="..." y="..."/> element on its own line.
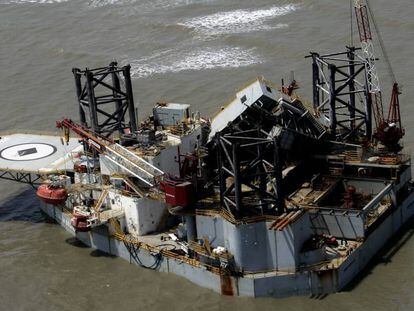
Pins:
<point x="36" y="153"/>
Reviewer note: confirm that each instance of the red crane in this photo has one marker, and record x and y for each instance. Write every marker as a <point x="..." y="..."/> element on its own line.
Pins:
<point x="392" y="130"/>
<point x="388" y="131"/>
<point x="94" y="140"/>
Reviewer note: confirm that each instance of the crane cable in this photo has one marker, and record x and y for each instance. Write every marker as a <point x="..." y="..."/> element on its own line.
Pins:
<point x="381" y="42"/>
<point x="352" y="22"/>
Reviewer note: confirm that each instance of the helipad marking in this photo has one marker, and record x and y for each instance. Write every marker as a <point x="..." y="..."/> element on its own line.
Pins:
<point x="27" y="152"/>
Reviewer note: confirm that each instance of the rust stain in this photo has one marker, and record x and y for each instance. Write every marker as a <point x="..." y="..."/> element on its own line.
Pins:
<point x="226" y="284"/>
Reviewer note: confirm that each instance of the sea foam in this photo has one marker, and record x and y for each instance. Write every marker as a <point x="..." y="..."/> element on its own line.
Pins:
<point x="238" y="21"/>
<point x="199" y="59"/>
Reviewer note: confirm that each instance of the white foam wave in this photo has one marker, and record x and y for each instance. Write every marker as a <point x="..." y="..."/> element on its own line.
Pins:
<point x="201" y="59"/>
<point x="238" y="21"/>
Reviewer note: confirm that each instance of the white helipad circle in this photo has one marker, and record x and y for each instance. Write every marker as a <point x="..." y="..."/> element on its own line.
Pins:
<point x="27" y="152"/>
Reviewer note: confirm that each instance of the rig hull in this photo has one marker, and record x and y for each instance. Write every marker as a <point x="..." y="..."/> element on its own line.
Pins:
<point x="270" y="284"/>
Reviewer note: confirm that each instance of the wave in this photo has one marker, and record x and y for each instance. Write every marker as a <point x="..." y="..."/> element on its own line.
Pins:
<point x="238" y="21"/>
<point x="200" y="59"/>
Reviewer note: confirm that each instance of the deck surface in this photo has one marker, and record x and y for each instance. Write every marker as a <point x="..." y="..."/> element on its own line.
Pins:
<point x="37" y="153"/>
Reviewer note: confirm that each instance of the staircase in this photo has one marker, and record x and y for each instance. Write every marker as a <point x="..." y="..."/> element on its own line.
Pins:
<point x="309" y="117"/>
<point x="133" y="164"/>
<point x="353" y="155"/>
<point x="336" y="166"/>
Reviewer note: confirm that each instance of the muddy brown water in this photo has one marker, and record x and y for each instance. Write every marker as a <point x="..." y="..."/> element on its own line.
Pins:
<point x="192" y="51"/>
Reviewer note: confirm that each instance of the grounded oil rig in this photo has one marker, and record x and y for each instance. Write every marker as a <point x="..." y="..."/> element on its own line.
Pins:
<point x="273" y="196"/>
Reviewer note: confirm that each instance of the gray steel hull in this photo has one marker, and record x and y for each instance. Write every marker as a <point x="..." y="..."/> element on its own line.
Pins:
<point x="271" y="284"/>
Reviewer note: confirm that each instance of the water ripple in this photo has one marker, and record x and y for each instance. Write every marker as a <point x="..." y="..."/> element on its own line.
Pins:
<point x="32" y="1"/>
<point x="146" y="4"/>
<point x="200" y="59"/>
<point x="153" y="4"/>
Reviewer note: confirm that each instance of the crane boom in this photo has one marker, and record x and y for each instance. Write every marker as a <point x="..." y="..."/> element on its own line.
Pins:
<point x="365" y="36"/>
<point x="388" y="131"/>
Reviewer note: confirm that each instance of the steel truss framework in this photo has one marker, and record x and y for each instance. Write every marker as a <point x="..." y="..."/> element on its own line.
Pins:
<point x="105" y="97"/>
<point x="250" y="173"/>
<point x="22" y="177"/>
<point x="293" y="115"/>
<point x="340" y="93"/>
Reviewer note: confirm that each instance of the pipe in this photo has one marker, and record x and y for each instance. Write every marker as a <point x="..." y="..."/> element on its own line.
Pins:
<point x="191" y="227"/>
<point x="115" y="93"/>
<point x="92" y="102"/>
<point x="277" y="164"/>
<point x="130" y="98"/>
<point x="377" y="199"/>
<point x="78" y="84"/>
<point x="237" y="182"/>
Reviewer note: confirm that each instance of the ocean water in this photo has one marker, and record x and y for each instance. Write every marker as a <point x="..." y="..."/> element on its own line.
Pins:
<point x="191" y="51"/>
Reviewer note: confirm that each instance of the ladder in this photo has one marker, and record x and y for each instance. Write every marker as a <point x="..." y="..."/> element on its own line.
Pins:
<point x="134" y="187"/>
<point x="101" y="200"/>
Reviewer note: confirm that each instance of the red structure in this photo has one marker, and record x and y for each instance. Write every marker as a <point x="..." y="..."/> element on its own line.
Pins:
<point x="178" y="193"/>
<point x="391" y="130"/>
<point x="388" y="131"/>
<point x="80" y="222"/>
<point x="349" y="197"/>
